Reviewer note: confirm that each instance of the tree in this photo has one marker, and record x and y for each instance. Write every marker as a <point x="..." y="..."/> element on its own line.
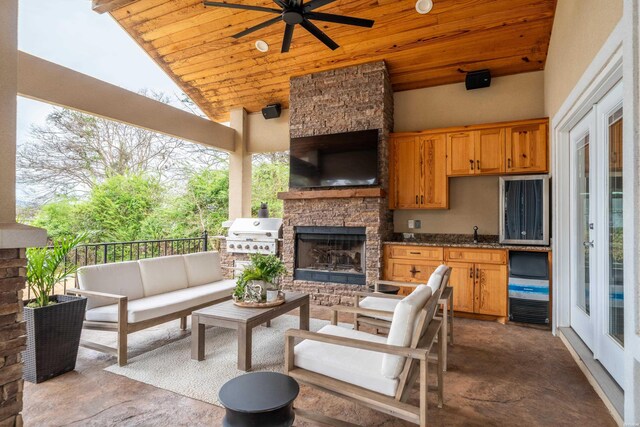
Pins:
<point x="74" y="152"/>
<point x="119" y="208"/>
<point x="61" y="218"/>
<point x="204" y="205"/>
<point x="270" y="175"/>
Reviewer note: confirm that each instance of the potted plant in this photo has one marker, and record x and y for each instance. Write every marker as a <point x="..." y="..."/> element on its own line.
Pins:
<point x="259" y="281"/>
<point x="54" y="322"/>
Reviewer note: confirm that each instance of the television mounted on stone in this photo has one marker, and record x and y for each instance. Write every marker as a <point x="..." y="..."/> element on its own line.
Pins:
<point x="347" y="159"/>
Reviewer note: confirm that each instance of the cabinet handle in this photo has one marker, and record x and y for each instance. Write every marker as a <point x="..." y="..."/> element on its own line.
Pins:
<point x="416" y="199"/>
<point x="478" y="164"/>
<point x="471" y="272"/>
<point x="477" y="273"/>
<point x="414" y="253"/>
<point x="509" y="163"/>
<point x="471" y="164"/>
<point x="422" y="200"/>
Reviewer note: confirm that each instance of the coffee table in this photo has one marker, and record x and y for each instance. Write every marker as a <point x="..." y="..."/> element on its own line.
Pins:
<point x="228" y="315"/>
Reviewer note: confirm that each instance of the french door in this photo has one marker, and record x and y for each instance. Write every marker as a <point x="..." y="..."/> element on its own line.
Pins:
<point x="597" y="297"/>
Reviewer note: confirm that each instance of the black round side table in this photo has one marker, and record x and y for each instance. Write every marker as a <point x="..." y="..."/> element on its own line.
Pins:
<point x="259" y="399"/>
<point x="386" y="289"/>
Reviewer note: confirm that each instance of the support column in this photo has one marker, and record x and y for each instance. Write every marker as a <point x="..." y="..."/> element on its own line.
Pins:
<point x="240" y="168"/>
<point x="8" y="106"/>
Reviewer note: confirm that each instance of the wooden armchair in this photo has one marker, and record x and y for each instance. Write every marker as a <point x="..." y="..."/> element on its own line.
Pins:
<point x="379" y="312"/>
<point x="358" y="380"/>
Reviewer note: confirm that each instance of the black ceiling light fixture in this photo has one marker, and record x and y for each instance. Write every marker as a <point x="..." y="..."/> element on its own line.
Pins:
<point x="294" y="12"/>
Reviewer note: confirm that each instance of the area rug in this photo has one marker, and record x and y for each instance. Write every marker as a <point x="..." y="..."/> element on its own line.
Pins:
<point x="170" y="367"/>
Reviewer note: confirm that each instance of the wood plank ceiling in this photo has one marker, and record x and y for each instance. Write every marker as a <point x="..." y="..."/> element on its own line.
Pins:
<point x="193" y="44"/>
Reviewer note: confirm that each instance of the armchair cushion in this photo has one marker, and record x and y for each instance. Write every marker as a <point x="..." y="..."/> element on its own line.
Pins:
<point x="203" y="267"/>
<point x="159" y="305"/>
<point x="119" y="279"/>
<point x="436" y="278"/>
<point x="351" y="365"/>
<point x="403" y="323"/>
<point x="382" y="304"/>
<point x="163" y="274"/>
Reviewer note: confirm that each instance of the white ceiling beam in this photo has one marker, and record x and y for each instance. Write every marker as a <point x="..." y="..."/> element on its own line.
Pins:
<point x="54" y="84"/>
<point x="102" y="6"/>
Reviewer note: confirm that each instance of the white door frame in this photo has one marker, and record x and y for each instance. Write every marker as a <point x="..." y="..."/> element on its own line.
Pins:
<point x="606" y="66"/>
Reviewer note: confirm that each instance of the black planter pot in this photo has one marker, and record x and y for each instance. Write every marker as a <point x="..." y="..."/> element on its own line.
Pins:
<point x="53" y="337"/>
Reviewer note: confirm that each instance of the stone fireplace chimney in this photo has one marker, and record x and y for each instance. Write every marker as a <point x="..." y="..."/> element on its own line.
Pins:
<point x="343" y="100"/>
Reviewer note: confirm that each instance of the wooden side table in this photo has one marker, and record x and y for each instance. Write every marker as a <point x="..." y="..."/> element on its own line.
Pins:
<point x="228" y="315"/>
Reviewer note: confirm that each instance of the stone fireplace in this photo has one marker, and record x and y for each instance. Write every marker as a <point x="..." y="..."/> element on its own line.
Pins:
<point x="332" y="238"/>
<point x="330" y="254"/>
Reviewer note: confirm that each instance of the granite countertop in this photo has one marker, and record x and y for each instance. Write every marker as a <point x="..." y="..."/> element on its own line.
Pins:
<point x="461" y="241"/>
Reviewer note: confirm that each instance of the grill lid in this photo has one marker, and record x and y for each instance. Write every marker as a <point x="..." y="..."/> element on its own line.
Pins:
<point x="264" y="227"/>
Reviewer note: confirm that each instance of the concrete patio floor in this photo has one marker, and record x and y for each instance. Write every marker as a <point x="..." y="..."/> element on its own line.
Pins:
<point x="500" y="375"/>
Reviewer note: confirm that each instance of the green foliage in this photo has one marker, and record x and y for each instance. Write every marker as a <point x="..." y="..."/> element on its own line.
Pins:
<point x="267" y="268"/>
<point x="204" y="205"/>
<point x="61" y="218"/>
<point x="46" y="268"/>
<point x="119" y="208"/>
<point x="267" y="180"/>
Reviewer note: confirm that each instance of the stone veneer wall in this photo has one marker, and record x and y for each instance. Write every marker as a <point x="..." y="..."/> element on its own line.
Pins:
<point x="12" y="335"/>
<point x="342" y="100"/>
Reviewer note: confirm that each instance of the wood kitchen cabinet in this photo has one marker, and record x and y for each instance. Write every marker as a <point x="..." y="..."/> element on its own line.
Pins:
<point x="526" y="148"/>
<point x="461" y="153"/>
<point x="478" y="276"/>
<point x="418" y="172"/>
<point x="478" y="152"/>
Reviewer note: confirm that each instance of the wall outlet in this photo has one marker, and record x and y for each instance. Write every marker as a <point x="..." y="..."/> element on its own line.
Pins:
<point x="411" y="224"/>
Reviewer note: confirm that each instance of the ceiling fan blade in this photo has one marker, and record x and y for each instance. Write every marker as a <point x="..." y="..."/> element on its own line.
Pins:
<point x="241" y="6"/>
<point x="340" y="19"/>
<point x="257" y="27"/>
<point x="282" y="3"/>
<point x="317" y="33"/>
<point x="314" y="4"/>
<point x="288" y="35"/>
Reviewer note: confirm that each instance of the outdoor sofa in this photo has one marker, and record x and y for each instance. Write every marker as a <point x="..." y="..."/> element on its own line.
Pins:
<point x="130" y="296"/>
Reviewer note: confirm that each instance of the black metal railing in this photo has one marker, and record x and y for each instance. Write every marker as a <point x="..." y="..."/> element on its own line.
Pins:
<point x="112" y="252"/>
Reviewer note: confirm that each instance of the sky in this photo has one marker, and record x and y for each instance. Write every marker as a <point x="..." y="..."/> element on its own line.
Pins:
<point x="69" y="33"/>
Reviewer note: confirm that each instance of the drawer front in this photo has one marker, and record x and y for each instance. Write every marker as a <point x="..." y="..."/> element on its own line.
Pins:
<point x="487" y="256"/>
<point x="417" y="252"/>
<point x="410" y="271"/>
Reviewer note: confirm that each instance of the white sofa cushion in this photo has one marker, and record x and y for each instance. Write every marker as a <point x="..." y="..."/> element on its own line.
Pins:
<point x="122" y="278"/>
<point x="405" y="317"/>
<point x="351" y="365"/>
<point x="203" y="267"/>
<point x="382" y="304"/>
<point x="436" y="278"/>
<point x="159" y="305"/>
<point x="163" y="274"/>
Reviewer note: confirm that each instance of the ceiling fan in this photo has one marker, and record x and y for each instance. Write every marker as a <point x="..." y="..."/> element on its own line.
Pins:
<point x="294" y="12"/>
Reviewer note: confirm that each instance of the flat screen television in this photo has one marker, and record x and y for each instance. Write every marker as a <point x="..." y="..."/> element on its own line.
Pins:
<point x="338" y="160"/>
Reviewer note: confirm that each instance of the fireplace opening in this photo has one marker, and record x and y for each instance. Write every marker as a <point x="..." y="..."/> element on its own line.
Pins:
<point x="330" y="254"/>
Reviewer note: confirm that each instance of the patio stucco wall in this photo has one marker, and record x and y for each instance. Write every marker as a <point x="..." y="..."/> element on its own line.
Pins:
<point x="580" y="28"/>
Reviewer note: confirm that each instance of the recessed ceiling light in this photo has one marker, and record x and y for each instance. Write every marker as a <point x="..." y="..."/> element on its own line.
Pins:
<point x="424" y="6"/>
<point x="262" y="46"/>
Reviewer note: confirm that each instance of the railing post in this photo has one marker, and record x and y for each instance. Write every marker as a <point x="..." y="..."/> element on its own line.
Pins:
<point x="205" y="236"/>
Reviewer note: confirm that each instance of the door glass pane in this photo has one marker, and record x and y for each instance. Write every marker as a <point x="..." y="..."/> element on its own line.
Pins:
<point x="616" y="295"/>
<point x="583" y="220"/>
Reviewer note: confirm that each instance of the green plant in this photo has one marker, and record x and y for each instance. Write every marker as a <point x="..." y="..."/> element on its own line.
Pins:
<point x="46" y="267"/>
<point x="266" y="268"/>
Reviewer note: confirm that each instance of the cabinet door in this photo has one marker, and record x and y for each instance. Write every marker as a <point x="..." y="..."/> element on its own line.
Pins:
<point x="460" y="153"/>
<point x="405" y="172"/>
<point x="462" y="281"/>
<point x="526" y="148"/>
<point x="402" y="270"/>
<point x="489" y="151"/>
<point x="434" y="186"/>
<point x="490" y="289"/>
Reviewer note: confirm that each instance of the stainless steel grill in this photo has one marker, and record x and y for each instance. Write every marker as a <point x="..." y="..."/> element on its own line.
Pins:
<point x="254" y="236"/>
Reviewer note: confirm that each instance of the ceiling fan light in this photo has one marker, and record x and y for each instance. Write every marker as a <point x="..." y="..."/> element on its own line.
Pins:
<point x="262" y="46"/>
<point x="424" y="6"/>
